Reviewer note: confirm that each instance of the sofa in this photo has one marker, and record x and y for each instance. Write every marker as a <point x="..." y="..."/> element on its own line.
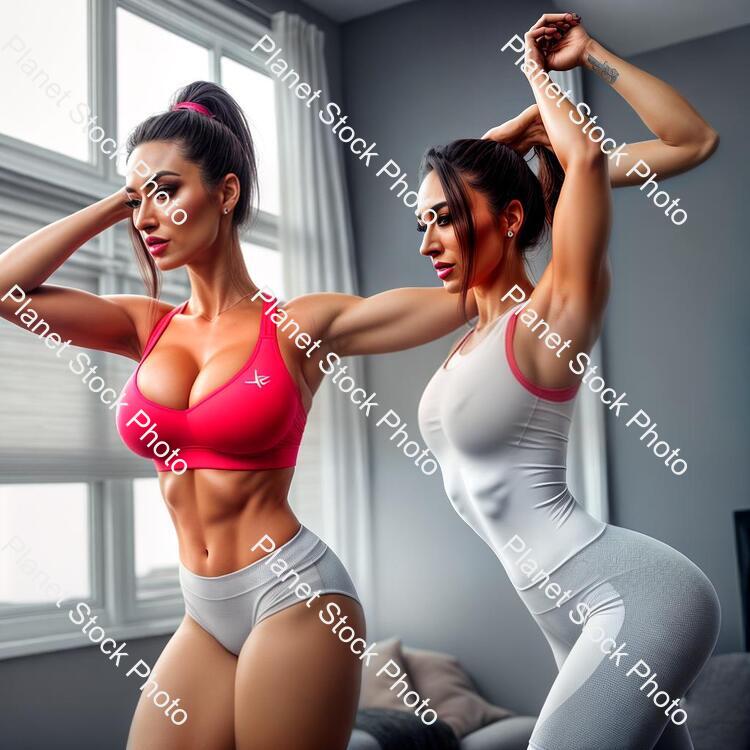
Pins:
<point x="506" y="734"/>
<point x="718" y="704"/>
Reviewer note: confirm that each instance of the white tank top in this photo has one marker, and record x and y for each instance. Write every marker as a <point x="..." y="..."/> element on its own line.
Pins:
<point x="501" y="443"/>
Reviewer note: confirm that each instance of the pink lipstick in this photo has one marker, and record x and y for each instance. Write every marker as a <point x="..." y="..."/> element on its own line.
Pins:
<point x="156" y="245"/>
<point x="444" y="271"/>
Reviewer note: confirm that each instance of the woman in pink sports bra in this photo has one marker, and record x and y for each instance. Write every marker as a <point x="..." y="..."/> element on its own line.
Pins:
<point x="218" y="402"/>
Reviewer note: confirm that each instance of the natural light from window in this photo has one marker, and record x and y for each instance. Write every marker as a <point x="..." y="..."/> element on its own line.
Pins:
<point x="44" y="75"/>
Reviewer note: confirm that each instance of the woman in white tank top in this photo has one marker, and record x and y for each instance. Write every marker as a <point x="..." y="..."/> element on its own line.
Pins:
<point x="630" y="620"/>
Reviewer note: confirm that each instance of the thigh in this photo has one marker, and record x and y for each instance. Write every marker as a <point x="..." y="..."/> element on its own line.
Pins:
<point x="199" y="671"/>
<point x="621" y="683"/>
<point x="297" y="684"/>
<point x="656" y="616"/>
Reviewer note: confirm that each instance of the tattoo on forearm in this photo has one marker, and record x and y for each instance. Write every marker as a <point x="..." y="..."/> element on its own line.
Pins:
<point x="608" y="73"/>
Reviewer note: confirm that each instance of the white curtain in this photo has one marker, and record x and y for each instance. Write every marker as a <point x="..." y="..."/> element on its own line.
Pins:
<point x="315" y="238"/>
<point x="587" y="454"/>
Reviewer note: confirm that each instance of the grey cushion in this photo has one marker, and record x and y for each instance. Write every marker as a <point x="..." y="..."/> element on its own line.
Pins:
<point x="362" y="741"/>
<point x="718" y="704"/>
<point x="451" y="691"/>
<point x="376" y="692"/>
<point x="507" y="734"/>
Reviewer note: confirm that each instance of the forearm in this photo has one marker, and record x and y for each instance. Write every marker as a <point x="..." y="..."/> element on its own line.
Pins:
<point x="32" y="260"/>
<point x="666" y="113"/>
<point x="566" y="138"/>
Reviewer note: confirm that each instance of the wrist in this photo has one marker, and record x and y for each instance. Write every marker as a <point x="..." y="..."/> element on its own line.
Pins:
<point x="592" y="48"/>
<point x="599" y="60"/>
<point x="533" y="63"/>
<point x="115" y="207"/>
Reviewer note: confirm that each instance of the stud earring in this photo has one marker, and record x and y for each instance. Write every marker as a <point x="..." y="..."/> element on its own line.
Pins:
<point x="226" y="210"/>
<point x="510" y="233"/>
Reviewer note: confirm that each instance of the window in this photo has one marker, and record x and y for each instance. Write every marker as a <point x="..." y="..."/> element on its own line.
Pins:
<point x="264" y="266"/>
<point x="156" y="554"/>
<point x="76" y="508"/>
<point x="255" y="93"/>
<point x="152" y="63"/>
<point x="38" y="563"/>
<point x="45" y="75"/>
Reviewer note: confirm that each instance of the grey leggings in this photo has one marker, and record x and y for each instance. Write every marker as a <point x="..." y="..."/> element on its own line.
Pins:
<point x="639" y="623"/>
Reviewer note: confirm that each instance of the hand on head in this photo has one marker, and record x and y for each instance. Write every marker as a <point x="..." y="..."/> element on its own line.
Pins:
<point x="522" y="132"/>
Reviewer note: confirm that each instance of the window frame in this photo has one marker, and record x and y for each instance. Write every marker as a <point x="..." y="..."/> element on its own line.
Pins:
<point x="56" y="182"/>
<point x="221" y="30"/>
<point x="34" y="629"/>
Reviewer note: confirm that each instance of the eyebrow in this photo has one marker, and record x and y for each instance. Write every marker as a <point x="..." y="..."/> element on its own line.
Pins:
<point x="156" y="176"/>
<point x="435" y="208"/>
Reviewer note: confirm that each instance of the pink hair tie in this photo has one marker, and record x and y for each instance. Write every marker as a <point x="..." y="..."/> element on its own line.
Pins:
<point x="199" y="108"/>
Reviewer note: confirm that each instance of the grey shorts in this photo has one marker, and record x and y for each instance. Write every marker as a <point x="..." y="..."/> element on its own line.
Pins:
<point x="230" y="606"/>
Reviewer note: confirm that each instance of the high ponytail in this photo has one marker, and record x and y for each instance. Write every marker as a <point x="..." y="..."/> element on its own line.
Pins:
<point x="501" y="175"/>
<point x="550" y="175"/>
<point x="218" y="145"/>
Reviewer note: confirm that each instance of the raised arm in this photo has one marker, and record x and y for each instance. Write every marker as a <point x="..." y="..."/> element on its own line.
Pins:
<point x="91" y="321"/>
<point x="387" y="322"/>
<point x="572" y="292"/>
<point x="683" y="138"/>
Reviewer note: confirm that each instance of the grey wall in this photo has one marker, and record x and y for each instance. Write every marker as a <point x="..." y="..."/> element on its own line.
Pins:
<point x="426" y="73"/>
<point x="70" y="700"/>
<point x="678" y="322"/>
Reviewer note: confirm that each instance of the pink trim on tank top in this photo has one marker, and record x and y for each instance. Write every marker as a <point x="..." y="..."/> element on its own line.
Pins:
<point x="550" y="394"/>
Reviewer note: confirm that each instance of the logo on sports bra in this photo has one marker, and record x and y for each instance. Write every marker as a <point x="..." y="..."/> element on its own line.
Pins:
<point x="259" y="380"/>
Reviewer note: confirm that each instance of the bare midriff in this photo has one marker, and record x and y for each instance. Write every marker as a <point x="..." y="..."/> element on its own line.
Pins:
<point x="219" y="515"/>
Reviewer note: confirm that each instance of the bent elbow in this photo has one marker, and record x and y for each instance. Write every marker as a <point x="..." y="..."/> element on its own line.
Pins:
<point x="701" y="149"/>
<point x="709" y="145"/>
<point x="588" y="156"/>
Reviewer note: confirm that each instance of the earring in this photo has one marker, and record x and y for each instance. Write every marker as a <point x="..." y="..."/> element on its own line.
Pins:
<point x="226" y="210"/>
<point x="510" y="233"/>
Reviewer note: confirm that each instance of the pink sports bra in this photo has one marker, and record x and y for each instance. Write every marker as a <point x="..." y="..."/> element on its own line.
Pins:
<point x="254" y="421"/>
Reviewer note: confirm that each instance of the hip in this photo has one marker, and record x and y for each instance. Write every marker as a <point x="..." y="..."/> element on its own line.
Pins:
<point x="627" y="577"/>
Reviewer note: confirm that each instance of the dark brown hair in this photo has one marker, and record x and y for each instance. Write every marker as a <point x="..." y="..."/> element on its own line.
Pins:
<point x="218" y="145"/>
<point x="501" y="175"/>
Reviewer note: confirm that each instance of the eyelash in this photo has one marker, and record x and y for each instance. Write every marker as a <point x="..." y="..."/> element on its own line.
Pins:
<point x="168" y="189"/>
<point x="423" y="227"/>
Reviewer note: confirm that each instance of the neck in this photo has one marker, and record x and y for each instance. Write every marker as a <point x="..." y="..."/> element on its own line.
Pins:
<point x="490" y="292"/>
<point x="218" y="280"/>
